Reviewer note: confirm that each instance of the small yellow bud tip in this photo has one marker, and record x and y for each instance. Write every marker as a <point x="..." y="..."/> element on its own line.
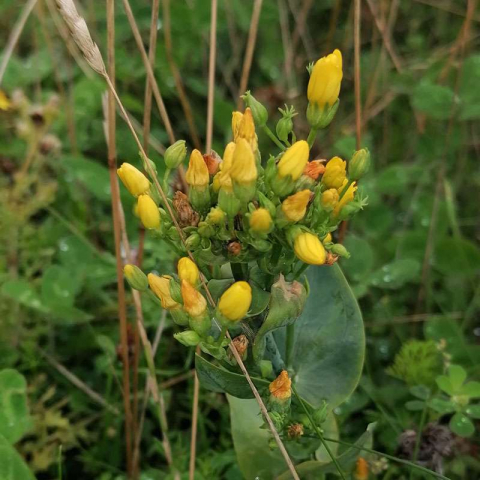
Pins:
<point x="235" y="301"/>
<point x="281" y="387"/>
<point x="197" y="173"/>
<point x="128" y="270"/>
<point x="160" y="286"/>
<point x="187" y="270"/>
<point x="244" y="169"/>
<point x="325" y="80"/>
<point x="295" y="206"/>
<point x="335" y="173"/>
<point x="294" y="160"/>
<point x="148" y="212"/>
<point x="133" y="179"/>
<point x="260" y="221"/>
<point x="193" y="301"/>
<point x="309" y="249"/>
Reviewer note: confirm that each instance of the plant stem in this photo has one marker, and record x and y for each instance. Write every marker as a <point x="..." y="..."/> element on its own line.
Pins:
<point x="272" y="137"/>
<point x="345" y="190"/>
<point x="223" y="332"/>
<point x="419" y="436"/>
<point x="289" y="344"/>
<point x="166" y="176"/>
<point x="312" y="136"/>
<point x="319" y="433"/>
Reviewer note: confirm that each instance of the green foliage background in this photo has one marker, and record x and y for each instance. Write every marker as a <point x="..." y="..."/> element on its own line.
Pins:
<point x="415" y="257"/>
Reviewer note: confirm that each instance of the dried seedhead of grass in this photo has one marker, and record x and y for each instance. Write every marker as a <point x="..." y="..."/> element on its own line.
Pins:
<point x="80" y="33"/>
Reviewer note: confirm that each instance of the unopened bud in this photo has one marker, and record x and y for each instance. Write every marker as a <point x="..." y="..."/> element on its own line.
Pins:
<point x="189" y="338"/>
<point x="193" y="241"/>
<point x="135" y="277"/>
<point x="359" y="164"/>
<point x="241" y="346"/>
<point x="175" y="154"/>
<point x="259" y="112"/>
<point x="340" y="250"/>
<point x="295" y="431"/>
<point x="235" y="301"/>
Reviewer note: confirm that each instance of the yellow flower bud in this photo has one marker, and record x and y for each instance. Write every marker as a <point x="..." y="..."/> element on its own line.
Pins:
<point x="193" y="301"/>
<point x="294" y="160"/>
<point x="325" y="80"/>
<point x="4" y="101"/>
<point x="224" y="179"/>
<point x="244" y="169"/>
<point x="329" y="199"/>
<point x="295" y="206"/>
<point x="161" y="288"/>
<point x="236" y="121"/>
<point x="235" y="301"/>
<point x="148" y="212"/>
<point x="309" y="249"/>
<point x="197" y="173"/>
<point x="281" y="387"/>
<point x="187" y="270"/>
<point x="133" y="179"/>
<point x="260" y="221"/>
<point x="327" y="239"/>
<point x="135" y="277"/>
<point x="347" y="198"/>
<point x="335" y="173"/>
<point x="216" y="216"/>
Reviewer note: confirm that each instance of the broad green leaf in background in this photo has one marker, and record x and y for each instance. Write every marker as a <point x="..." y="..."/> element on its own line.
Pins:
<point x="436" y="101"/>
<point x="12" y="465"/>
<point x="15" y="419"/>
<point x="24" y="293"/>
<point x="396" y="274"/>
<point x="329" y="345"/>
<point x="59" y="286"/>
<point x="461" y="425"/>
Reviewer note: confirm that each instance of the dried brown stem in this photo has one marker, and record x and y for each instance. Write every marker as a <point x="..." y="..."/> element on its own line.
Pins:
<point x="211" y="74"/>
<point x="252" y="38"/>
<point x="193" y="438"/>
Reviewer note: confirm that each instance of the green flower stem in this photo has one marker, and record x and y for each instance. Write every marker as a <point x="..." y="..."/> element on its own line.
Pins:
<point x="312" y="136"/>
<point x="272" y="137"/>
<point x="423" y="418"/>
<point x="238" y="271"/>
<point x="301" y="270"/>
<point x="319" y="433"/>
<point x="223" y="332"/>
<point x="345" y="189"/>
<point x="289" y="344"/>
<point x="166" y="177"/>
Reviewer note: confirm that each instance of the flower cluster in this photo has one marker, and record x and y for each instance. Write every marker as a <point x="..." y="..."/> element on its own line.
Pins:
<point x="246" y="211"/>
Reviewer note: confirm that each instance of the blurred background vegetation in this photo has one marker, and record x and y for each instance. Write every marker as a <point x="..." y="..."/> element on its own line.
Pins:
<point x="415" y="259"/>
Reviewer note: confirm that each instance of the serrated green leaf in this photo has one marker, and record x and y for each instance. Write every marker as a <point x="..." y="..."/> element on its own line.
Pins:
<point x="24" y="293"/>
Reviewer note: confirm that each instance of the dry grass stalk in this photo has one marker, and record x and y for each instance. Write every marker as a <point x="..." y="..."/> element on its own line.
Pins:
<point x="211" y="74"/>
<point x="157" y="185"/>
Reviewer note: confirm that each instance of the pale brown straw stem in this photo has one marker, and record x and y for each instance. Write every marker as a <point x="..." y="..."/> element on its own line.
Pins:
<point x="182" y="94"/>
<point x="115" y="196"/>
<point x="211" y="74"/>
<point x="252" y="38"/>
<point x="15" y="35"/>
<point x="358" y="99"/>
<point x="193" y="437"/>
<point x="150" y="74"/>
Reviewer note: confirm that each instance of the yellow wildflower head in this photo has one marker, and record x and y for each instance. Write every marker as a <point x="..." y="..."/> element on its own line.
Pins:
<point x="197" y="173"/>
<point x="235" y="301"/>
<point x="244" y="168"/>
<point x="161" y="288"/>
<point x="224" y="179"/>
<point x="325" y="80"/>
<point x="133" y="179"/>
<point x="148" y="212"/>
<point x="294" y="160"/>
<point x="281" y="387"/>
<point x="193" y="301"/>
<point x="347" y="198"/>
<point x="187" y="270"/>
<point x="309" y="249"/>
<point x="236" y="121"/>
<point x="261" y="221"/>
<point x="335" y="173"/>
<point x="295" y="206"/>
<point x="314" y="169"/>
<point x="216" y="216"/>
<point x="329" y="199"/>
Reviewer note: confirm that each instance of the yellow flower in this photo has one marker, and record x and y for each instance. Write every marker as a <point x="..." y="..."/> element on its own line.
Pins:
<point x="260" y="221"/>
<point x="4" y="101"/>
<point x="335" y="173"/>
<point x="236" y="121"/>
<point x="197" y="173"/>
<point x="325" y="80"/>
<point x="347" y="198"/>
<point x="224" y="179"/>
<point x="294" y="160"/>
<point x="216" y="216"/>
<point x="329" y="199"/>
<point x="281" y="387"/>
<point x="193" y="301"/>
<point x="309" y="249"/>
<point x="235" y="301"/>
<point x="244" y="169"/>
<point x="148" y="212"/>
<point x="295" y="206"/>
<point x="361" y="469"/>
<point x="187" y="270"/>
<point x="161" y="288"/>
<point x="133" y="179"/>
